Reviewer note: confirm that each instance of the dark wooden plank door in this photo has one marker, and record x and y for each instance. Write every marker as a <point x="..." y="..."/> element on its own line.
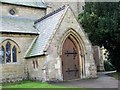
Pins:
<point x="70" y="60"/>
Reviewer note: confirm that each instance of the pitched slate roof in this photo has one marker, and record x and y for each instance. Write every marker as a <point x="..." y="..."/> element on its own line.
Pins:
<point x="30" y="3"/>
<point x="47" y="27"/>
<point x="17" y="25"/>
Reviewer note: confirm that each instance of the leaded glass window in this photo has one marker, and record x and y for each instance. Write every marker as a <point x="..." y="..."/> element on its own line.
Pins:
<point x="14" y="54"/>
<point x="3" y="55"/>
<point x="8" y="52"/>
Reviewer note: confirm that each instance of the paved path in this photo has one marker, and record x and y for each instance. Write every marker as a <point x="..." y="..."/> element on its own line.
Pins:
<point x="103" y="81"/>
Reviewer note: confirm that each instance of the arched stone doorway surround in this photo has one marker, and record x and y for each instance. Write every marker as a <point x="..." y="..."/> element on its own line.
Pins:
<point x="79" y="43"/>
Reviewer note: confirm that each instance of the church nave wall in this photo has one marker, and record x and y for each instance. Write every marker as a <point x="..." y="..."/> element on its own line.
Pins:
<point x="13" y="71"/>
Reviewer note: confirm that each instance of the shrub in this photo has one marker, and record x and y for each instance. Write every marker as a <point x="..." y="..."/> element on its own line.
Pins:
<point x="108" y="66"/>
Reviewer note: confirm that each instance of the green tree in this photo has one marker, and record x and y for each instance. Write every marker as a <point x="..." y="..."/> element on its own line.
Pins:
<point x="101" y="21"/>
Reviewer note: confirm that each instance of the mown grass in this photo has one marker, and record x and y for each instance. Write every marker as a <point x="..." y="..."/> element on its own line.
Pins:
<point x="34" y="84"/>
<point x="29" y="84"/>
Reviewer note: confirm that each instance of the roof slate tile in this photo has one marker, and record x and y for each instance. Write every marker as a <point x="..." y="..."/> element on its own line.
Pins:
<point x="30" y="3"/>
<point x="17" y="25"/>
<point x="47" y="28"/>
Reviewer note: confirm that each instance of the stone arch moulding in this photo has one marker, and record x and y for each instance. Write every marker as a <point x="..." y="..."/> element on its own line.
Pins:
<point x="75" y="37"/>
<point x="10" y="40"/>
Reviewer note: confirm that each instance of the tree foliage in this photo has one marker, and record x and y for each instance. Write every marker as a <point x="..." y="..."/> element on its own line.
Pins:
<point x="101" y="21"/>
<point x="108" y="66"/>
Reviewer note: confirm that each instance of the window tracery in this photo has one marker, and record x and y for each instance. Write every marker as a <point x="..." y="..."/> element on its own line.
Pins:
<point x="14" y="54"/>
<point x="9" y="52"/>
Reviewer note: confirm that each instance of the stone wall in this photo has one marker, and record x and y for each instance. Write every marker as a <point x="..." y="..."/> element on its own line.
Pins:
<point x="69" y="24"/>
<point x="36" y="73"/>
<point x="77" y="6"/>
<point x="18" y="70"/>
<point x="22" y="12"/>
<point x="45" y="70"/>
<point x="98" y="57"/>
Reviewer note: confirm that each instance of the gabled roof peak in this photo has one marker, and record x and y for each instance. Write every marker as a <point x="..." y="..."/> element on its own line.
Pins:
<point x="47" y="27"/>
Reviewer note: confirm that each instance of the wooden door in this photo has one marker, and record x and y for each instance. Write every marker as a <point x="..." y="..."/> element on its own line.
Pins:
<point x="70" y="60"/>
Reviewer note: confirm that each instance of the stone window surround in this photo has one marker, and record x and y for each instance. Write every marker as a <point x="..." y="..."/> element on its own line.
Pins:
<point x="35" y="65"/>
<point x="13" y="44"/>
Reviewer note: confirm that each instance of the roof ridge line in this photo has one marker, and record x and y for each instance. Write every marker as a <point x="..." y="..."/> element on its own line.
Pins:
<point x="50" y="14"/>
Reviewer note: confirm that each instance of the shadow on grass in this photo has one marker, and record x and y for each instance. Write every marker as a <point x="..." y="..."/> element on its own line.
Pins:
<point x="115" y="75"/>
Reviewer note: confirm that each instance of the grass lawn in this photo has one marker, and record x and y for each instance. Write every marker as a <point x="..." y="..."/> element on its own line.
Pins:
<point x="29" y="84"/>
<point x="34" y="84"/>
<point x="115" y="75"/>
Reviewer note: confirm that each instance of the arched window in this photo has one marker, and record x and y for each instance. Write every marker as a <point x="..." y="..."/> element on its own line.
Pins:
<point x="34" y="64"/>
<point x="3" y="55"/>
<point x="14" y="54"/>
<point x="8" y="52"/>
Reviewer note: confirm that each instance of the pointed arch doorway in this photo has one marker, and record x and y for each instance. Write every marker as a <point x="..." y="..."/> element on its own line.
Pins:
<point x="70" y="59"/>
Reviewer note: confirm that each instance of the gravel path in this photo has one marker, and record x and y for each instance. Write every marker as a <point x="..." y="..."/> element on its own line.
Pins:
<point x="103" y="81"/>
